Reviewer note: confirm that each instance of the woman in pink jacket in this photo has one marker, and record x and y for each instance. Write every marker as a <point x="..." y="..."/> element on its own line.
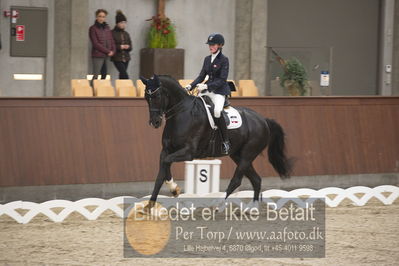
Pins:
<point x="103" y="45"/>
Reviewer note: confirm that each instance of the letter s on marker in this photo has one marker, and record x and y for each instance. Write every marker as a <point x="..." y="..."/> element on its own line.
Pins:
<point x="203" y="174"/>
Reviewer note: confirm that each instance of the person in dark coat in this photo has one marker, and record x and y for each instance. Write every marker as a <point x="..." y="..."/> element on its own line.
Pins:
<point x="216" y="67"/>
<point x="103" y="45"/>
<point x="123" y="45"/>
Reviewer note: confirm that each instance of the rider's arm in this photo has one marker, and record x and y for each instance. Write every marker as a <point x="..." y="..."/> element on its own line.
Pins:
<point x="201" y="76"/>
<point x="220" y="80"/>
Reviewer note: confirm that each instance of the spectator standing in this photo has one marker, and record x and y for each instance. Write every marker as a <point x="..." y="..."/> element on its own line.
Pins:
<point x="103" y="45"/>
<point x="123" y="45"/>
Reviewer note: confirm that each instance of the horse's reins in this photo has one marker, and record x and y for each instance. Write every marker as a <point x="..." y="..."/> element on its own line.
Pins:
<point x="161" y="110"/>
<point x="167" y="113"/>
<point x="176" y="108"/>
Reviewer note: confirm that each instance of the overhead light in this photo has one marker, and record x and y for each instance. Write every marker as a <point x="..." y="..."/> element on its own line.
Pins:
<point x="28" y="76"/>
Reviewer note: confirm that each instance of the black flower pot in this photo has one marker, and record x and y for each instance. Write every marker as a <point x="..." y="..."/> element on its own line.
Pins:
<point x="162" y="61"/>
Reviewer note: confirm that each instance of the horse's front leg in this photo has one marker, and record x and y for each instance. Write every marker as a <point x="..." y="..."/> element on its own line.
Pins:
<point x="184" y="154"/>
<point x="164" y="168"/>
<point x="178" y="156"/>
<point x="173" y="187"/>
<point x="164" y="173"/>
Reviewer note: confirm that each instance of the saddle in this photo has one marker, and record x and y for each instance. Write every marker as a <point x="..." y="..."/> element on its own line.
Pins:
<point x="230" y="114"/>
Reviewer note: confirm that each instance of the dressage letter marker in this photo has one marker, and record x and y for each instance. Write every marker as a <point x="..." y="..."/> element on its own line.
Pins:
<point x="202" y="176"/>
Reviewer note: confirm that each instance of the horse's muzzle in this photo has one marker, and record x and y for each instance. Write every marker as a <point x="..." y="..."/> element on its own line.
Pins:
<point x="156" y="122"/>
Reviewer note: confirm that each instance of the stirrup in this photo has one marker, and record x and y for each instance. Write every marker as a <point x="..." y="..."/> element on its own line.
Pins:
<point x="225" y="147"/>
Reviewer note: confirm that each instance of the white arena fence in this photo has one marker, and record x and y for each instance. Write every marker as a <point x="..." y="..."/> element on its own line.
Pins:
<point x="337" y="196"/>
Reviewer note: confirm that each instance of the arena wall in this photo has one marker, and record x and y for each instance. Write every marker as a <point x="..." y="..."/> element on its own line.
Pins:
<point x="55" y="141"/>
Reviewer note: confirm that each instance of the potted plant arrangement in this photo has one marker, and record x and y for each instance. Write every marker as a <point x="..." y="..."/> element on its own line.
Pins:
<point x="162" y="33"/>
<point x="161" y="55"/>
<point x="294" y="77"/>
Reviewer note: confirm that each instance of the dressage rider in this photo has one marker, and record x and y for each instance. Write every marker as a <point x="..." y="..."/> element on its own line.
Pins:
<point x="216" y="66"/>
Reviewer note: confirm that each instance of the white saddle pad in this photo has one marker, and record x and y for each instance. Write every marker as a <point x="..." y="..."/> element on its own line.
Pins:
<point x="232" y="113"/>
<point x="234" y="116"/>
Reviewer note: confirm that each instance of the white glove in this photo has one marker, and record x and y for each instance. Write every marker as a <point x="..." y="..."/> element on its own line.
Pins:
<point x="188" y="87"/>
<point x="202" y="87"/>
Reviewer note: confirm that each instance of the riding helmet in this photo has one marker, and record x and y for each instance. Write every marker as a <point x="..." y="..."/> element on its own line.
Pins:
<point x="215" y="38"/>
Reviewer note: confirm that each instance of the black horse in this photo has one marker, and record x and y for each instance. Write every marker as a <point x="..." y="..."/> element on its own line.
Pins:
<point x="187" y="135"/>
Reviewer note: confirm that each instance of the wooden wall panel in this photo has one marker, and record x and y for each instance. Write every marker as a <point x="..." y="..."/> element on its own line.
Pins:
<point x="47" y="141"/>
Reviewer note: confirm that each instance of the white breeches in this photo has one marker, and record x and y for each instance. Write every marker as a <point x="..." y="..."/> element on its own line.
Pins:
<point x="218" y="101"/>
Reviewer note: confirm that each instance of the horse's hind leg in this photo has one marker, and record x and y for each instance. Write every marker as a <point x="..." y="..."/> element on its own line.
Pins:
<point x="235" y="182"/>
<point x="253" y="177"/>
<point x="244" y="161"/>
<point x="255" y="180"/>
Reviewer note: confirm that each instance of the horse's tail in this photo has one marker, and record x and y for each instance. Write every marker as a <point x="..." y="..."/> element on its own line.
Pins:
<point x="276" y="150"/>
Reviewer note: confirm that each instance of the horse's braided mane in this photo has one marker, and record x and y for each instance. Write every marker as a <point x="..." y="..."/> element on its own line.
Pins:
<point x="171" y="84"/>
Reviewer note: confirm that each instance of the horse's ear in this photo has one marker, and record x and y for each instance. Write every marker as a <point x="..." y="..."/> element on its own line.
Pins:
<point x="144" y="80"/>
<point x="156" y="79"/>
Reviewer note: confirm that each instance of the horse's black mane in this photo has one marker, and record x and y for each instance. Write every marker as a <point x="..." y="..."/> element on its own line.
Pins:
<point x="171" y="84"/>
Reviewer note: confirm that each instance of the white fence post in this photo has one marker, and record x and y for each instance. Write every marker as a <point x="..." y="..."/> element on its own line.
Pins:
<point x="202" y="176"/>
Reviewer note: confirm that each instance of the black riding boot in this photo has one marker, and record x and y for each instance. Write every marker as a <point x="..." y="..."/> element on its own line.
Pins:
<point x="225" y="137"/>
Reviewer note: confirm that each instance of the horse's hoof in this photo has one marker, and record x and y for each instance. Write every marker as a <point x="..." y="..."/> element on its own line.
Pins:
<point x="227" y="195"/>
<point x="253" y="205"/>
<point x="147" y="208"/>
<point x="176" y="192"/>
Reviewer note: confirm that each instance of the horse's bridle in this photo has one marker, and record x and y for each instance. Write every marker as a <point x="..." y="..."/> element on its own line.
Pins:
<point x="162" y="110"/>
<point x="150" y="94"/>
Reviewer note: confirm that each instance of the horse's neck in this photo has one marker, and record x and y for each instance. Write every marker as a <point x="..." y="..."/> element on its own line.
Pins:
<point x="178" y="105"/>
<point x="176" y="95"/>
<point x="176" y="98"/>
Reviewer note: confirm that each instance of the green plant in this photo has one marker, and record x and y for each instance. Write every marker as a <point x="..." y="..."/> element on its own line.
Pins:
<point x="295" y="72"/>
<point x="162" y="33"/>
